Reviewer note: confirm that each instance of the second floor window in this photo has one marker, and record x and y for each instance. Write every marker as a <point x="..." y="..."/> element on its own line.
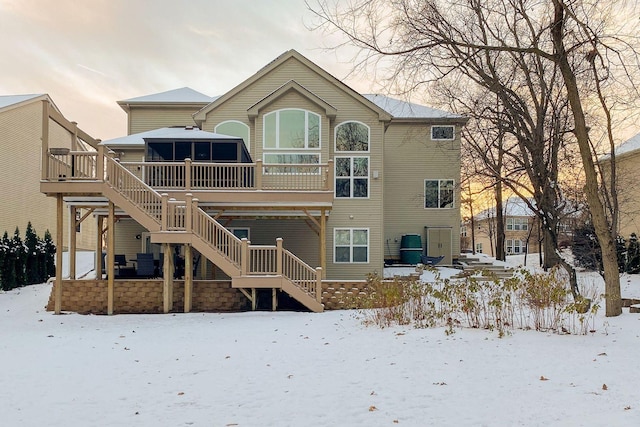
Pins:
<point x="352" y="136"/>
<point x="352" y="177"/>
<point x="438" y="193"/>
<point x="291" y="129"/>
<point x="517" y="224"/>
<point x="234" y="128"/>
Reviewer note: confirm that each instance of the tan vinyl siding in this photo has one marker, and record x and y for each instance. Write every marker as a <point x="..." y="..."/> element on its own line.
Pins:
<point x="410" y="158"/>
<point x="126" y="242"/>
<point x="367" y="213"/>
<point x="20" y="171"/>
<point x="628" y="186"/>
<point x="145" y="119"/>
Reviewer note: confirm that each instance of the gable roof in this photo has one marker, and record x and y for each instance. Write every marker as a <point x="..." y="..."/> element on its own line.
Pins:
<point x="292" y="85"/>
<point x="8" y="102"/>
<point x="182" y="96"/>
<point x="200" y="116"/>
<point x="189" y="132"/>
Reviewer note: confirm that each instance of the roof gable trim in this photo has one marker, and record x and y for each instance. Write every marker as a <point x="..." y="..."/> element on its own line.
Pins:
<point x="291" y="86"/>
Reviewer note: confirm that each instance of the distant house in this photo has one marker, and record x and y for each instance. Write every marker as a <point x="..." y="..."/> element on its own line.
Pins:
<point x="521" y="233"/>
<point x="521" y="228"/>
<point x="289" y="183"/>
<point x="21" y="119"/>
<point x="627" y="185"/>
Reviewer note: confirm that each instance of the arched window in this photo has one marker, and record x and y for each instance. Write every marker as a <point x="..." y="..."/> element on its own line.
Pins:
<point x="352" y="136"/>
<point x="234" y="128"/>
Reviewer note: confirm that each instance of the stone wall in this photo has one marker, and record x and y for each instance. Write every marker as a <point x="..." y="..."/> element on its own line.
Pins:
<point x="145" y="296"/>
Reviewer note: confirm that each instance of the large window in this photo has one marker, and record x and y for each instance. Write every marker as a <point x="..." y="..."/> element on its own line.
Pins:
<point x="438" y="193"/>
<point x="352" y="177"/>
<point x="515" y="246"/>
<point x="234" y="128"/>
<point x="291" y="129"/>
<point x="352" y="136"/>
<point x="199" y="151"/>
<point x="442" y="133"/>
<point x="351" y="245"/>
<point x="517" y="224"/>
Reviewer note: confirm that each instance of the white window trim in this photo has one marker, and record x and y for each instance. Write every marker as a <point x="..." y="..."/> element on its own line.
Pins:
<point x="306" y="126"/>
<point x="248" y="141"/>
<point x="351" y="246"/>
<point x="232" y="229"/>
<point x="424" y="193"/>
<point x="351" y="178"/>
<point x="335" y="137"/>
<point x="443" y="126"/>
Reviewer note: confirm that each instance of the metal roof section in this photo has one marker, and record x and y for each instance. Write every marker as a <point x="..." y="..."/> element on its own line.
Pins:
<point x="175" y="133"/>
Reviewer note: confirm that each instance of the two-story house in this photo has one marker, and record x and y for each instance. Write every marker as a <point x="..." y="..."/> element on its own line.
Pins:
<point x="21" y="123"/>
<point x="291" y="182"/>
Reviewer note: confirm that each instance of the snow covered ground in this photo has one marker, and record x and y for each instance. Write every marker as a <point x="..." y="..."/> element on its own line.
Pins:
<point x="306" y="369"/>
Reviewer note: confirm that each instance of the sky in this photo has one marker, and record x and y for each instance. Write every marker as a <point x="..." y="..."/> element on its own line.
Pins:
<point x="89" y="54"/>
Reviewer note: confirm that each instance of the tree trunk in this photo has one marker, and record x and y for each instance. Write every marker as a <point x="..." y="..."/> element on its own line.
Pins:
<point x="500" y="255"/>
<point x="613" y="303"/>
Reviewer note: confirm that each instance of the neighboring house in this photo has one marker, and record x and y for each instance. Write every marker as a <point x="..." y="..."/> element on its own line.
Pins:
<point x="627" y="185"/>
<point x="310" y="172"/>
<point x="520" y="229"/>
<point x="21" y="118"/>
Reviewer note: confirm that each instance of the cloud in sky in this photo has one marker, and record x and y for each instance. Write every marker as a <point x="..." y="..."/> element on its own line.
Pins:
<point x="89" y="54"/>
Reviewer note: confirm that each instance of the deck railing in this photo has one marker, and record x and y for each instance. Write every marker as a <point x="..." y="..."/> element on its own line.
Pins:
<point x="132" y="188"/>
<point x="64" y="164"/>
<point x="189" y="175"/>
<point x="173" y="215"/>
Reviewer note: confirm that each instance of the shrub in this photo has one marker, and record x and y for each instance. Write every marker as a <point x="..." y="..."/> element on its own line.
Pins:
<point x="539" y="301"/>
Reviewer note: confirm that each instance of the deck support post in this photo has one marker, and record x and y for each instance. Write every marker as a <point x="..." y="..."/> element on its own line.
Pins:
<point x="73" y="225"/>
<point x="254" y="300"/>
<point x="59" y="247"/>
<point x="188" y="278"/>
<point x="111" y="250"/>
<point x="323" y="242"/>
<point x="167" y="289"/>
<point x="99" y="240"/>
<point x="319" y="284"/>
<point x="274" y="299"/>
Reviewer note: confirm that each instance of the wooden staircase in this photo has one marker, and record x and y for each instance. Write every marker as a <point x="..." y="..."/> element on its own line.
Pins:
<point x="173" y="221"/>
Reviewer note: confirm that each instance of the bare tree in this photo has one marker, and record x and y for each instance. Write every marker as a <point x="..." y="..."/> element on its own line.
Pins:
<point x="554" y="54"/>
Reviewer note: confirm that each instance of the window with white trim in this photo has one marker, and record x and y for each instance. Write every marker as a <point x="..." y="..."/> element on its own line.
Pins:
<point x="442" y="133"/>
<point x="515" y="246"/>
<point x="352" y="136"/>
<point x="240" y="232"/>
<point x="479" y="248"/>
<point x="351" y="245"/>
<point x="234" y="128"/>
<point x="291" y="129"/>
<point x="352" y="177"/>
<point x="438" y="193"/>
<point x="517" y="224"/>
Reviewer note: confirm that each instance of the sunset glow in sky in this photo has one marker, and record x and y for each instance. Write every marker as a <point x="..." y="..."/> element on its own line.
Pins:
<point x="88" y="55"/>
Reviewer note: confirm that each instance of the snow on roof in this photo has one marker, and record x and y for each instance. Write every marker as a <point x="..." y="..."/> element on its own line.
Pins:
<point x="191" y="133"/>
<point x="631" y="144"/>
<point x="409" y="110"/>
<point x="7" y="100"/>
<point x="181" y="95"/>
<point x="513" y="206"/>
